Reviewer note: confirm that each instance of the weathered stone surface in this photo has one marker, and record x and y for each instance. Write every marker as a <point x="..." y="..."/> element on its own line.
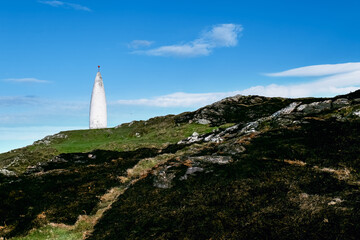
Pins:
<point x="192" y="139"/>
<point x="212" y="159"/>
<point x="47" y="140"/>
<point x="357" y="113"/>
<point x="237" y="109"/>
<point x="7" y="173"/>
<point x="163" y="178"/>
<point x="340" y="102"/>
<point x="287" y="110"/>
<point x="315" y="107"/>
<point x="281" y="116"/>
<point x="213" y="138"/>
<point x="256" y="100"/>
<point x="203" y="121"/>
<point x="191" y="171"/>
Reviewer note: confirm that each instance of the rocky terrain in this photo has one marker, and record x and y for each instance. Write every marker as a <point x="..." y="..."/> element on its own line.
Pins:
<point x="246" y="167"/>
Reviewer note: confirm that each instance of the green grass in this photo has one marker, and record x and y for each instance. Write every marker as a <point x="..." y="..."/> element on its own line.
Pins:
<point x="124" y="138"/>
<point x="18" y="160"/>
<point x="154" y="133"/>
<point x="52" y="233"/>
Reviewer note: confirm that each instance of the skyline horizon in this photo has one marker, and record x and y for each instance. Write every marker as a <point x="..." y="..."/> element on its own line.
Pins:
<point x="51" y="130"/>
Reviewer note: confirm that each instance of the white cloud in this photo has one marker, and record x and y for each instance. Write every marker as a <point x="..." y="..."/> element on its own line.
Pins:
<point x="140" y="43"/>
<point x="78" y="7"/>
<point x="53" y="3"/>
<point x="25" y="80"/>
<point x="294" y="91"/>
<point x="221" y="35"/>
<point x="336" y="79"/>
<point x="341" y="79"/>
<point x="56" y="3"/>
<point x="318" y="70"/>
<point x="186" y="50"/>
<point x="178" y="99"/>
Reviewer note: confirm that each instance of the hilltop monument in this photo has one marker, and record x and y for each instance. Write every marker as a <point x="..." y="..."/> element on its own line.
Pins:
<point x="98" y="113"/>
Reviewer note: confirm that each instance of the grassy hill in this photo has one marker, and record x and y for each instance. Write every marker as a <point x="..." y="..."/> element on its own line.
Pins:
<point x="153" y="133"/>
<point x="246" y="167"/>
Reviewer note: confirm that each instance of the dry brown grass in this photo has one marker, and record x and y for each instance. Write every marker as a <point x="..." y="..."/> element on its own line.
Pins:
<point x="295" y="162"/>
<point x="247" y="138"/>
<point x="144" y="166"/>
<point x="341" y="174"/>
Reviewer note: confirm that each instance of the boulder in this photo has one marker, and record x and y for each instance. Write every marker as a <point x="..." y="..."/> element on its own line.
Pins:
<point x="203" y="121"/>
<point x="212" y="159"/>
<point x="191" y="171"/>
<point x="356" y="113"/>
<point x="193" y="138"/>
<point x="340" y="102"/>
<point x="163" y="178"/>
<point x="315" y="107"/>
<point x="7" y="173"/>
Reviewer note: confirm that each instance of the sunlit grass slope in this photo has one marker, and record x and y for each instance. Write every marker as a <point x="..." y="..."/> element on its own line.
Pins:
<point x="154" y="133"/>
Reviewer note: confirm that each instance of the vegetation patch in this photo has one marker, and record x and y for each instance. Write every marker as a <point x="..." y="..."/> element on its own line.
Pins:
<point x="155" y="133"/>
<point x="52" y="233"/>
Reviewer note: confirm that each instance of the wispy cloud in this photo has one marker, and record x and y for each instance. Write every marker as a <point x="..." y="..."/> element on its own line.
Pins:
<point x="44" y="105"/>
<point x="53" y="3"/>
<point x="337" y="79"/>
<point x="18" y="100"/>
<point x="135" y="44"/>
<point x="78" y="7"/>
<point x="221" y="35"/>
<point x="318" y="70"/>
<point x="25" y="80"/>
<point x="179" y="99"/>
<point x="56" y="3"/>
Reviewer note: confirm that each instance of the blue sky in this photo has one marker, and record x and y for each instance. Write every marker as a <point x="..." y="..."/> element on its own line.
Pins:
<point x="162" y="57"/>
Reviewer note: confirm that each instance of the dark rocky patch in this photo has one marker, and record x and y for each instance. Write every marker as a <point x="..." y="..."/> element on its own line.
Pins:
<point x="239" y="109"/>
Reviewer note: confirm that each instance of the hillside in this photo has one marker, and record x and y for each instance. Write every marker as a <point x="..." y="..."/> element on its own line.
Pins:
<point x="246" y="167"/>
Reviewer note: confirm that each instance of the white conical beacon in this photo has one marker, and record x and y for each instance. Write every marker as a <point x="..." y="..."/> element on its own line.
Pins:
<point x="98" y="113"/>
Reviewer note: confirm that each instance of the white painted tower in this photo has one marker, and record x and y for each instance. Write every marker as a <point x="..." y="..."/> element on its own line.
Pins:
<point x="98" y="113"/>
